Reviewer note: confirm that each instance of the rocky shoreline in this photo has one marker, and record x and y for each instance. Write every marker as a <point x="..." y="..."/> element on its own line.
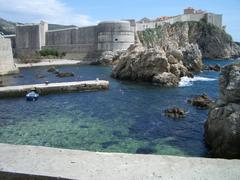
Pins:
<point x="165" y="54"/>
<point x="222" y="129"/>
<point x="164" y="68"/>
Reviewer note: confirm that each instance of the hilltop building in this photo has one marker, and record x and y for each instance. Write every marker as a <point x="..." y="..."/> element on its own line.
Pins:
<point x="190" y="14"/>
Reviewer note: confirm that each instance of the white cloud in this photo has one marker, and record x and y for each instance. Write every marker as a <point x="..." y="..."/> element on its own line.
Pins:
<point x="52" y="11"/>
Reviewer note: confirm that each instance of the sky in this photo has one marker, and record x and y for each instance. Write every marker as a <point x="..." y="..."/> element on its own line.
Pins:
<point x="90" y="12"/>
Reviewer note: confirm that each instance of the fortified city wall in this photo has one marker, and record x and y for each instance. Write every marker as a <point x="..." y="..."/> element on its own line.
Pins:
<point x="90" y="42"/>
<point x="87" y="41"/>
<point x="7" y="65"/>
<point x="215" y="19"/>
<point x="78" y="43"/>
<point x="30" y="38"/>
<point x="189" y="15"/>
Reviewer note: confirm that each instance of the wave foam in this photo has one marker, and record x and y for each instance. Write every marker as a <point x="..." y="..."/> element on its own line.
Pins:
<point x="186" y="81"/>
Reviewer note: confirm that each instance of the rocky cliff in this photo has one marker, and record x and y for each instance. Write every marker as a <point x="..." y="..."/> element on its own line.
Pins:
<point x="212" y="41"/>
<point x="222" y="129"/>
<point x="162" y="56"/>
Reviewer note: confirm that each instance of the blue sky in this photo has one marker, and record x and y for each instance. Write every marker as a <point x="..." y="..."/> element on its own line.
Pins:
<point x="88" y="12"/>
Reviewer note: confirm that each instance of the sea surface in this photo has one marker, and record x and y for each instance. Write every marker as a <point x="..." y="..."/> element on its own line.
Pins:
<point x="126" y="118"/>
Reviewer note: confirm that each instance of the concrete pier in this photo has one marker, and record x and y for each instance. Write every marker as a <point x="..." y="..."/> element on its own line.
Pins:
<point x="31" y="162"/>
<point x="43" y="89"/>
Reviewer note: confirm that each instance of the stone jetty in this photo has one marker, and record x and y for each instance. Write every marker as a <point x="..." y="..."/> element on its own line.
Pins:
<point x="44" y="89"/>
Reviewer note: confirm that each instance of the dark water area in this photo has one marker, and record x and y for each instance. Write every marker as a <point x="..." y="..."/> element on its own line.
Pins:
<point x="126" y="118"/>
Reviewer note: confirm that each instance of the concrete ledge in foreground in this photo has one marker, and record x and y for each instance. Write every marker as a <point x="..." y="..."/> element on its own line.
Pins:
<point x="43" y="89"/>
<point x="31" y="162"/>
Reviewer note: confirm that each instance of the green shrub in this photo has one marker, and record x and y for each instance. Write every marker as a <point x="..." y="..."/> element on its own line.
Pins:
<point x="51" y="52"/>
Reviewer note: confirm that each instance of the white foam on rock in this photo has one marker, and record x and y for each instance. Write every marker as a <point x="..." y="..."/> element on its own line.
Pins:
<point x="187" y="81"/>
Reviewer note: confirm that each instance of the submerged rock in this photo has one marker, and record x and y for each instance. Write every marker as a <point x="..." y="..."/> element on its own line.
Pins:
<point x="202" y="101"/>
<point x="216" y="68"/>
<point x="39" y="76"/>
<point x="64" y="74"/>
<point x="52" y="69"/>
<point x="175" y="112"/>
<point x="222" y="128"/>
<point x="108" y="144"/>
<point x="145" y="150"/>
<point x="19" y="76"/>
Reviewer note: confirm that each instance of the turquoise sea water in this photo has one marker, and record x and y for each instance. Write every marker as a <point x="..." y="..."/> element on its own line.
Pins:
<point x="126" y="118"/>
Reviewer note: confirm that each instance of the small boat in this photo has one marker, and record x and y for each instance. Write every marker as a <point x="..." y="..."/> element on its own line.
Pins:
<point x="32" y="96"/>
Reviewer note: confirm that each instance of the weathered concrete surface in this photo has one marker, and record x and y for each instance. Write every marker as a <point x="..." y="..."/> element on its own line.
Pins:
<point x="74" y="164"/>
<point x="43" y="89"/>
<point x="7" y="65"/>
<point x="55" y="62"/>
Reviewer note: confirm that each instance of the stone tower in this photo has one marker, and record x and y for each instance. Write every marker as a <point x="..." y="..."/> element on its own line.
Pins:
<point x="30" y="38"/>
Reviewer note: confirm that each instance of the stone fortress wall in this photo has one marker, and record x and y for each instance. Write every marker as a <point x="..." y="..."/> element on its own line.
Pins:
<point x="7" y="65"/>
<point x="30" y="38"/>
<point x="90" y="42"/>
<point x="76" y="42"/>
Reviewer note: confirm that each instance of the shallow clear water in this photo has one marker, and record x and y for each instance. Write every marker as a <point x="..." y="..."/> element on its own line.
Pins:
<point x="126" y="118"/>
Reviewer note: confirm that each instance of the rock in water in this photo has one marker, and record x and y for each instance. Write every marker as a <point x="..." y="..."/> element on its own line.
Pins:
<point x="166" y="79"/>
<point x="175" y="112"/>
<point x="216" y="68"/>
<point x="222" y="128"/>
<point x="154" y="65"/>
<point x="52" y="70"/>
<point x="145" y="150"/>
<point x="163" y="55"/>
<point x="64" y="74"/>
<point x="202" y="101"/>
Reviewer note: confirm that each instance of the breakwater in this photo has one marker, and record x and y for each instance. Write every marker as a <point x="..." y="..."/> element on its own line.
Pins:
<point x="44" y="89"/>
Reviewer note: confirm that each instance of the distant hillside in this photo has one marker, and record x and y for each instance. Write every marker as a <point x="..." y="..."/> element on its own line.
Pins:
<point x="57" y="26"/>
<point x="8" y="27"/>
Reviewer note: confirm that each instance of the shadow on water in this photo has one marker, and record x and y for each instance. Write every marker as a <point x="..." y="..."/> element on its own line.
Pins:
<point x="126" y="118"/>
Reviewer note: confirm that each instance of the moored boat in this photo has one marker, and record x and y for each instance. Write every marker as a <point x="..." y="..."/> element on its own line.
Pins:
<point x="32" y="96"/>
